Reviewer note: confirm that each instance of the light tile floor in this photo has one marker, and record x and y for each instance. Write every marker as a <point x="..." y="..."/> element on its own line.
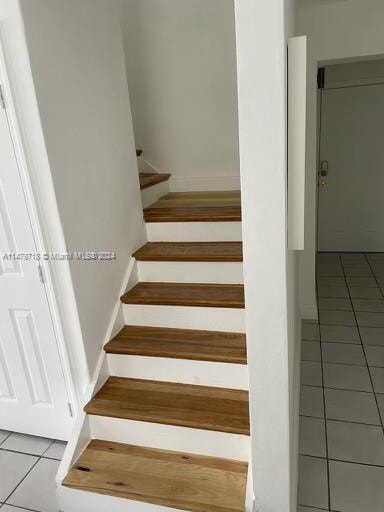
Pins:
<point x="28" y="467"/>
<point x="342" y="394"/>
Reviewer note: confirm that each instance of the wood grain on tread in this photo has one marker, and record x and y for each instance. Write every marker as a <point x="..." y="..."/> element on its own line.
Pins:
<point x="171" y="403"/>
<point x="227" y="347"/>
<point x="190" y="251"/>
<point x="186" y="294"/>
<point x="148" y="179"/>
<point x="172" y="479"/>
<point x="196" y="207"/>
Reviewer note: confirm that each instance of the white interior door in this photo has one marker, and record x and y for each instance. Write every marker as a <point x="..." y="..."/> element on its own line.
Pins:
<point x="351" y="205"/>
<point x="33" y="395"/>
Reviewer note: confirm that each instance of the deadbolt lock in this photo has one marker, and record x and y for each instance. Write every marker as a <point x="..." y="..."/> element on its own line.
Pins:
<point x="324" y="165"/>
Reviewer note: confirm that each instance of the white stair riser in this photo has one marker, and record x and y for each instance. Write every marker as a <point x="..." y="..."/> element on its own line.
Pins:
<point x="191" y="272"/>
<point x="185" y="371"/>
<point x="170" y="437"/>
<point x="185" y="317"/>
<point x="152" y="194"/>
<point x="74" y="500"/>
<point x="194" y="231"/>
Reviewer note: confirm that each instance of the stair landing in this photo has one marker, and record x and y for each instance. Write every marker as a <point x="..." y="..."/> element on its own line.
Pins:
<point x="172" y="479"/>
<point x="148" y="179"/>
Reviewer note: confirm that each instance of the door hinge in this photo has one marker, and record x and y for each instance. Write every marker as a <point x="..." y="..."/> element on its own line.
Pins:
<point x="70" y="409"/>
<point x="2" y="99"/>
<point x="41" y="274"/>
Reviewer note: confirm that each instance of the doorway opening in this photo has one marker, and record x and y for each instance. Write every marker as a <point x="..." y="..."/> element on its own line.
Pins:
<point x="351" y="157"/>
<point x="36" y="389"/>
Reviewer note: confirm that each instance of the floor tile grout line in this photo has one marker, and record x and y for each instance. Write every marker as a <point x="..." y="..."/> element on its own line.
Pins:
<point x="342" y="364"/>
<point x="365" y="355"/>
<point x="21" y="508"/>
<point x="322" y="366"/>
<point x="342" y="421"/>
<point x="333" y="459"/>
<point x="3" y="441"/>
<point x="42" y="456"/>
<point x="340" y="389"/>
<point x="324" y="405"/>
<point x="375" y="394"/>
<point x="325" y="421"/>
<point x="45" y="451"/>
<point x="21" y="481"/>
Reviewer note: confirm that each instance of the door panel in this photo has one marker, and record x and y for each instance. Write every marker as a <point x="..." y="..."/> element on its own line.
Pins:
<point x="351" y="206"/>
<point x="33" y="395"/>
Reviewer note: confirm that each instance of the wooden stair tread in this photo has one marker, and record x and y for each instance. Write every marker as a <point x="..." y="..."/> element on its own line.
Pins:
<point x="190" y="251"/>
<point x="170" y="403"/>
<point x="186" y="294"/>
<point x="174" y="479"/>
<point x="196" y="207"/>
<point x="148" y="179"/>
<point x="198" y="345"/>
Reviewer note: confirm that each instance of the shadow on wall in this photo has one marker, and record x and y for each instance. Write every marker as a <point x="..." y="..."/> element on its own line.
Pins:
<point x="181" y="66"/>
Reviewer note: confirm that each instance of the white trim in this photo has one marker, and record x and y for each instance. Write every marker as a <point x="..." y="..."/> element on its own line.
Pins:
<point x="198" y="183"/>
<point x="171" y="437"/>
<point x="26" y="171"/>
<point x="74" y="500"/>
<point x="297" y="103"/>
<point x="185" y="317"/>
<point x="24" y="119"/>
<point x="81" y="432"/>
<point x="194" y="231"/>
<point x="117" y="318"/>
<point x="191" y="271"/>
<point x="185" y="371"/>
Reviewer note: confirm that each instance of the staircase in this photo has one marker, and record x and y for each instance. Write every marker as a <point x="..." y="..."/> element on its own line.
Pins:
<point x="169" y="428"/>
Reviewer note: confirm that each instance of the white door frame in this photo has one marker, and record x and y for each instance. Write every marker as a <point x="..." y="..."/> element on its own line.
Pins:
<point x="20" y="141"/>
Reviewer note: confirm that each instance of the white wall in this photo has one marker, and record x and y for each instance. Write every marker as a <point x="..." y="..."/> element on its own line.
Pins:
<point x="336" y="30"/>
<point x="272" y="319"/>
<point x="77" y="61"/>
<point x="182" y="77"/>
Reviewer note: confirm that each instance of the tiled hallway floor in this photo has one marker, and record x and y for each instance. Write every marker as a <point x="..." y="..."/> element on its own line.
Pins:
<point x="28" y="467"/>
<point x="342" y="394"/>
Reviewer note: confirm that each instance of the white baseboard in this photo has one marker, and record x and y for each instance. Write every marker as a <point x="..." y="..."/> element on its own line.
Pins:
<point x="190" y="183"/>
<point x="187" y="184"/>
<point x="80" y="435"/>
